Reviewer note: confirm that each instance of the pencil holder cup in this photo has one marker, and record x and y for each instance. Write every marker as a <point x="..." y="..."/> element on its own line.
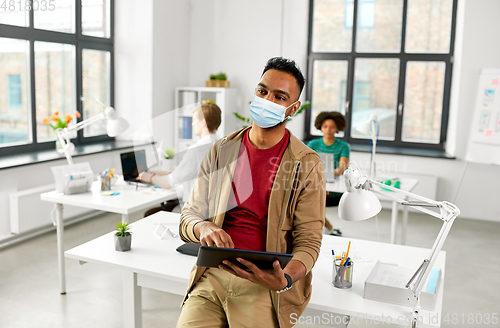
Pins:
<point x="102" y="179"/>
<point x="342" y="275"/>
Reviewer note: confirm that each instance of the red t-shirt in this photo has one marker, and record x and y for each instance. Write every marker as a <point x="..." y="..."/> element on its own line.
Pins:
<point x="246" y="218"/>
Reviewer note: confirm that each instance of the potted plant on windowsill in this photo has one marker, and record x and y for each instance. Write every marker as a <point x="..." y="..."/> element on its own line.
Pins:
<point x="123" y="237"/>
<point x="59" y="122"/>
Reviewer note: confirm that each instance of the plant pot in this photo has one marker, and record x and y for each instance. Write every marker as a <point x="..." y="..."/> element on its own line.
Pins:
<point x="217" y="83"/>
<point x="122" y="244"/>
<point x="168" y="165"/>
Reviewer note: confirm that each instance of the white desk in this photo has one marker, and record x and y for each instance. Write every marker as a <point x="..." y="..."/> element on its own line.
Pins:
<point x="154" y="263"/>
<point x="407" y="184"/>
<point x="130" y="200"/>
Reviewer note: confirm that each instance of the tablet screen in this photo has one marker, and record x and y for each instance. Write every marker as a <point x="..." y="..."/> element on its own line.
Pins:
<point x="213" y="257"/>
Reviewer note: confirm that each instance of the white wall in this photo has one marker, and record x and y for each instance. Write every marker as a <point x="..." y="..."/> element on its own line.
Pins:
<point x="134" y="61"/>
<point x="151" y="59"/>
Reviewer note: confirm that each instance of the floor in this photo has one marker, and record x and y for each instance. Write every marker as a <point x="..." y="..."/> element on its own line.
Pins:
<point x="29" y="295"/>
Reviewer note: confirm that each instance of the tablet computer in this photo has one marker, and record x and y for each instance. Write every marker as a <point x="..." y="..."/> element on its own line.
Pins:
<point x="213" y="257"/>
<point x="189" y="249"/>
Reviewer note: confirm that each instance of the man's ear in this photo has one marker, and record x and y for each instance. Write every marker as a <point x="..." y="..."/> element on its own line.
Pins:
<point x="295" y="108"/>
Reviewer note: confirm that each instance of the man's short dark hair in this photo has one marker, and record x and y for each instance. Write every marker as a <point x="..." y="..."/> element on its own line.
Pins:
<point x="338" y="118"/>
<point x="286" y="65"/>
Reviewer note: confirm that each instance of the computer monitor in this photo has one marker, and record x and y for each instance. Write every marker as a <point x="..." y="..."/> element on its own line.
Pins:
<point x="133" y="163"/>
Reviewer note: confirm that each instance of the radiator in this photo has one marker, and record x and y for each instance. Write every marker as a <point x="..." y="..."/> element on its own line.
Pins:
<point x="28" y="212"/>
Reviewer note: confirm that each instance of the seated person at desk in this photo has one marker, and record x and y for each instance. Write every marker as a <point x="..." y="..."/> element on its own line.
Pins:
<point x="259" y="188"/>
<point x="206" y="121"/>
<point x="330" y="123"/>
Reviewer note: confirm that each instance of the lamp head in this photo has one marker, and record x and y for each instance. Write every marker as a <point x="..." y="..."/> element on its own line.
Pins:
<point x="358" y="202"/>
<point x="115" y="124"/>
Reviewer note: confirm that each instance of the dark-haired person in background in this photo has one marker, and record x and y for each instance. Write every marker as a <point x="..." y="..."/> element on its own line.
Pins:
<point x="330" y="123"/>
<point x="274" y="201"/>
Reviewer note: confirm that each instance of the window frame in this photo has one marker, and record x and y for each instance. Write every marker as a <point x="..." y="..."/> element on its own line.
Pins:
<point x="80" y="41"/>
<point x="404" y="58"/>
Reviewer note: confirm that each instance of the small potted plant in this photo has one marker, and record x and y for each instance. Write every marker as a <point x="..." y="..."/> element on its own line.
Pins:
<point x="168" y="159"/>
<point x="123" y="237"/>
<point x="218" y="80"/>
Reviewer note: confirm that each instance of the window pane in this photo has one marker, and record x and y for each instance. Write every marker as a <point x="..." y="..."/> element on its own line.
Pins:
<point x="329" y="91"/>
<point x="429" y="26"/>
<point x="379" y="26"/>
<point x="375" y="93"/>
<point x="96" y="88"/>
<point x="95" y="18"/>
<point x="423" y="101"/>
<point x="14" y="13"/>
<point x="332" y="26"/>
<point x="14" y="96"/>
<point x="55" y="86"/>
<point x="55" y="15"/>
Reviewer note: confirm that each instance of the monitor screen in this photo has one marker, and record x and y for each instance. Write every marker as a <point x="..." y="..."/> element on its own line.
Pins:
<point x="133" y="163"/>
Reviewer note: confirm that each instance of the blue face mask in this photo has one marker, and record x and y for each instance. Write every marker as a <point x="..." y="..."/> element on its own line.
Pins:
<point x="266" y="113"/>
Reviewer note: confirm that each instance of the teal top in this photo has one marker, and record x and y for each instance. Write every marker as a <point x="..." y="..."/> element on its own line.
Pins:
<point x="339" y="149"/>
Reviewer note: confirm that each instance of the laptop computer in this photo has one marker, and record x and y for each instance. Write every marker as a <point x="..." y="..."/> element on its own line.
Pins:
<point x="133" y="163"/>
<point x="328" y="166"/>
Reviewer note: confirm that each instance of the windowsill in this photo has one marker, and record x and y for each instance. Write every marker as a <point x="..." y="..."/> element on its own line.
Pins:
<point x="403" y="151"/>
<point x="8" y="162"/>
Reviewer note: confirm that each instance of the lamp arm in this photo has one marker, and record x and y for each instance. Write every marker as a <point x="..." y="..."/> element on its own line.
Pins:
<point x="86" y="122"/>
<point x="447" y="213"/>
<point x="431" y="202"/>
<point x="62" y="136"/>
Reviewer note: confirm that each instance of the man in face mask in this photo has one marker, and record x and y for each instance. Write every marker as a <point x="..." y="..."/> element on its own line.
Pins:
<point x="262" y="189"/>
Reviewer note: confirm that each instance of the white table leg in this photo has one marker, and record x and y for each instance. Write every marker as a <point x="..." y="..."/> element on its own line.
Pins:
<point x="124" y="218"/>
<point x="394" y="221"/>
<point x="132" y="301"/>
<point x="60" y="247"/>
<point x="405" y="223"/>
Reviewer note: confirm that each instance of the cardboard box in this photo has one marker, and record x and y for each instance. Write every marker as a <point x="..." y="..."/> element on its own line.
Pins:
<point x="386" y="283"/>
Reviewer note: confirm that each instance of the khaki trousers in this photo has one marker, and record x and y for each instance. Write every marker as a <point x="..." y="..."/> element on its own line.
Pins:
<point x="220" y="299"/>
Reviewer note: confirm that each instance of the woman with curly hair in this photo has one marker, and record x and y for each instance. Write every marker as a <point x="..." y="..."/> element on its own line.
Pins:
<point x="330" y="123"/>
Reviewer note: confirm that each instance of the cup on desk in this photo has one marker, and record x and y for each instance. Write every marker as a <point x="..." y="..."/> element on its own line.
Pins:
<point x="342" y="275"/>
<point x="102" y="179"/>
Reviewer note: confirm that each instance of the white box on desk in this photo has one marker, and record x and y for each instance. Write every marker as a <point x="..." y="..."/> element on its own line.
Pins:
<point x="386" y="283"/>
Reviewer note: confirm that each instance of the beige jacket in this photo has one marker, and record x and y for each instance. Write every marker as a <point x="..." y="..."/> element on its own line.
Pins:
<point x="295" y="217"/>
